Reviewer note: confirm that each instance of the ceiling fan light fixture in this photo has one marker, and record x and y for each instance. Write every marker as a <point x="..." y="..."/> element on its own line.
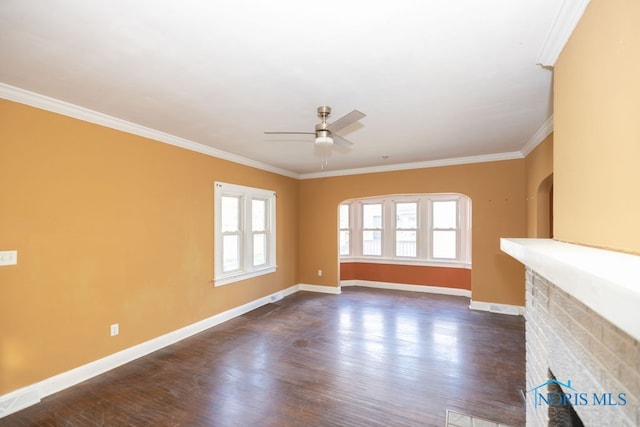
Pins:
<point x="324" y="140"/>
<point x="323" y="137"/>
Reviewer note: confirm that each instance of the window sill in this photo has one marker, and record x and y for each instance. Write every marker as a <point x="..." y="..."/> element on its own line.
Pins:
<point x="405" y="261"/>
<point x="228" y="279"/>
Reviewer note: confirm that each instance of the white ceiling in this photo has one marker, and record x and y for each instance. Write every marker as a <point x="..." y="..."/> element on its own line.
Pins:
<point x="437" y="79"/>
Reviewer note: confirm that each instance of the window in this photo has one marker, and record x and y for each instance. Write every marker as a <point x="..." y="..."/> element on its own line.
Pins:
<point x="345" y="230"/>
<point x="445" y="229"/>
<point x="372" y="229"/>
<point x="244" y="233"/>
<point x="406" y="229"/>
<point x="422" y="229"/>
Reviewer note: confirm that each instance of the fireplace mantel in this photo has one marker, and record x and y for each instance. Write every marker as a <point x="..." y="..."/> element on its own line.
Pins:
<point x="607" y="282"/>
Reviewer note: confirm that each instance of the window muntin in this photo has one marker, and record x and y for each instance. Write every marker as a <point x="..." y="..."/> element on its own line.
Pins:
<point x="345" y="230"/>
<point x="372" y="229"/>
<point x="244" y="233"/>
<point x="445" y="229"/>
<point x="230" y="224"/>
<point x="259" y="231"/>
<point x="406" y="229"/>
<point x="387" y="229"/>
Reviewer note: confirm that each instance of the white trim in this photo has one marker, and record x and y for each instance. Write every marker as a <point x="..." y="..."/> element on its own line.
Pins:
<point x="566" y="20"/>
<point x="43" y="102"/>
<point x="405" y="261"/>
<point x="245" y="195"/>
<point x="542" y="132"/>
<point x="514" y="310"/>
<point x="18" y="400"/>
<point x="67" y="109"/>
<point x="406" y="287"/>
<point x="32" y="394"/>
<point x="319" y="288"/>
<point x="605" y="281"/>
<point x="417" y="165"/>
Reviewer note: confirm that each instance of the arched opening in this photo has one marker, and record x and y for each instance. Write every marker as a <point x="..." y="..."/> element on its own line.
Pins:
<point x="544" y="211"/>
<point x="409" y="240"/>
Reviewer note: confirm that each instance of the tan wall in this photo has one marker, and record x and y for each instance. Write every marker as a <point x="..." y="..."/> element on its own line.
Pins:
<point x="497" y="191"/>
<point x="597" y="129"/>
<point x="111" y="227"/>
<point x="539" y="169"/>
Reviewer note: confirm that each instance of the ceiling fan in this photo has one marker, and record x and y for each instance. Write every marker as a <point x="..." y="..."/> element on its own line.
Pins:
<point x="326" y="132"/>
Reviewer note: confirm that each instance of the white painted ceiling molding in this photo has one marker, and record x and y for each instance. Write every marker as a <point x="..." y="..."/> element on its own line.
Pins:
<point x="60" y="107"/>
<point x="543" y="132"/>
<point x="70" y="110"/>
<point x="417" y="165"/>
<point x="568" y="17"/>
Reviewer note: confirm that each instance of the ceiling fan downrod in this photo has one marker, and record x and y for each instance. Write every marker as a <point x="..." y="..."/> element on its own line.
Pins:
<point x="323" y="135"/>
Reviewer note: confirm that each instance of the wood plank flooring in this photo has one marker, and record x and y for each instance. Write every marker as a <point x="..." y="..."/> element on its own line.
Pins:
<point x="366" y="357"/>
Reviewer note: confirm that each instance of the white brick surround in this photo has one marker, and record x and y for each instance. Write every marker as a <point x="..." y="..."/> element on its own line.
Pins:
<point x="577" y="344"/>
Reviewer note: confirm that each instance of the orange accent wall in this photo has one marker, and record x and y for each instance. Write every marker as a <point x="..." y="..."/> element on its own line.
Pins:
<point x="111" y="228"/>
<point x="446" y="277"/>
<point x="597" y="129"/>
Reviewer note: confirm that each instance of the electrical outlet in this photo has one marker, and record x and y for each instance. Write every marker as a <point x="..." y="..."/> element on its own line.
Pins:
<point x="115" y="329"/>
<point x="319" y="272"/>
<point x="8" y="257"/>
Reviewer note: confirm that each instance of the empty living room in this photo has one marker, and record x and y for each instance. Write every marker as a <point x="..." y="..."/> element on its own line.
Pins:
<point x="333" y="214"/>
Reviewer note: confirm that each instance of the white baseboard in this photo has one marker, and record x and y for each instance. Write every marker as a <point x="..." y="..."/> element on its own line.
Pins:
<point x="405" y="287"/>
<point x="318" y="288"/>
<point x="32" y="394"/>
<point x="514" y="310"/>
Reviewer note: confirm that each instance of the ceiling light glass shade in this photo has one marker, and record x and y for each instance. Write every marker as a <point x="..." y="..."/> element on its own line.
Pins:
<point x="324" y="140"/>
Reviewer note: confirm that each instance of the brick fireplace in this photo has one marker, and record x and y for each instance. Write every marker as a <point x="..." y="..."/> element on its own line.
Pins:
<point x="582" y="328"/>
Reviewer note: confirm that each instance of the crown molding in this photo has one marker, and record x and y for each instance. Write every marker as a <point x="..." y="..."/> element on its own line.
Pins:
<point x="565" y="22"/>
<point x="417" y="165"/>
<point x="43" y="102"/>
<point x="542" y="132"/>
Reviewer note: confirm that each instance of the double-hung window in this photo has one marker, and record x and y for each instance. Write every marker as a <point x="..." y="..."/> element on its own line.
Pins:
<point x="345" y="230"/>
<point x="406" y="229"/>
<point x="413" y="229"/>
<point x="372" y="229"/>
<point x="444" y="231"/>
<point x="245" y="235"/>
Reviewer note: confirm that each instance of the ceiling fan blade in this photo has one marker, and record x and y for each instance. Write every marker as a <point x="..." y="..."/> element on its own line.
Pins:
<point x="345" y="121"/>
<point x="290" y="133"/>
<point x="338" y="140"/>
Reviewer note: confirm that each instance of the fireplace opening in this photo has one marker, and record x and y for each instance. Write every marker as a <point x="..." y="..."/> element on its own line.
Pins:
<point x="561" y="411"/>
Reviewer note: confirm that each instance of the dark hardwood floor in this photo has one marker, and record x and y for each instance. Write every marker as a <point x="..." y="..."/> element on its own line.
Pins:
<point x="363" y="358"/>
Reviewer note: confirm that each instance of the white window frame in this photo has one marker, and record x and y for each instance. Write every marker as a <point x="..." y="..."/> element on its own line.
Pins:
<point x="417" y="228"/>
<point x="381" y="229"/>
<point x="246" y="270"/>
<point x="424" y="254"/>
<point x="348" y="230"/>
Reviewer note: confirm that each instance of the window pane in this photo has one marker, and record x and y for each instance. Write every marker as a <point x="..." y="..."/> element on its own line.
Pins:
<point x="372" y="216"/>
<point x="445" y="214"/>
<point x="230" y="252"/>
<point x="344" y="216"/>
<point x="371" y="242"/>
<point x="405" y="243"/>
<point x="444" y="244"/>
<point x="258" y="214"/>
<point x="259" y="249"/>
<point x="230" y="213"/>
<point x="407" y="215"/>
<point x="344" y="243"/>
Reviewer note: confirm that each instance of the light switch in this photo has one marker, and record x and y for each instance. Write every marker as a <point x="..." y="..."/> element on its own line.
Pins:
<point x="8" y="257"/>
